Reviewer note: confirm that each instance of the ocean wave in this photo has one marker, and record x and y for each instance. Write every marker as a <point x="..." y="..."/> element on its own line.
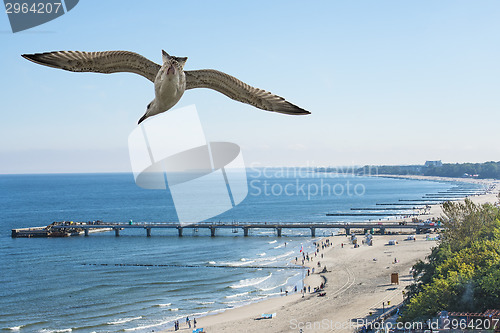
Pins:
<point x="279" y="246"/>
<point x="212" y="263"/>
<point x="200" y="314"/>
<point x="280" y="285"/>
<point x="163" y="305"/>
<point x="16" y="328"/>
<point x="206" y="303"/>
<point x="237" y="295"/>
<point x="272" y="242"/>
<point x="284" y="255"/>
<point x="272" y="294"/>
<point x="123" y="320"/>
<point x="173" y="309"/>
<point x="258" y="298"/>
<point x="251" y="282"/>
<point x="261" y="254"/>
<point x="144" y="327"/>
<point x="56" y="331"/>
<point x="238" y="263"/>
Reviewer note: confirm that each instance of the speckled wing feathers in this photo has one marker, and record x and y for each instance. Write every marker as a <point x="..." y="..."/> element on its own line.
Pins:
<point x="98" y="62"/>
<point x="240" y="91"/>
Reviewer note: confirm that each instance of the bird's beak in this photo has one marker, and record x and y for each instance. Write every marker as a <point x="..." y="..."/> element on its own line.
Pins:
<point x="142" y="119"/>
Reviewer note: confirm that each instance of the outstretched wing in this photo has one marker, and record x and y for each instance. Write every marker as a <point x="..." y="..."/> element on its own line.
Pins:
<point x="240" y="91"/>
<point x="98" y="62"/>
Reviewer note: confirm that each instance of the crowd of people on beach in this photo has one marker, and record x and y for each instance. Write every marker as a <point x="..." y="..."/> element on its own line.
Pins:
<point x="310" y="258"/>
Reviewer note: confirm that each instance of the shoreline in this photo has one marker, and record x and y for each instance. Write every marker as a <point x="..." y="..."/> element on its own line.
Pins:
<point x="351" y="293"/>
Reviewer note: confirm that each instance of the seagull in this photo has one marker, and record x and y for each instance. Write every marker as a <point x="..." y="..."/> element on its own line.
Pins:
<point x="170" y="79"/>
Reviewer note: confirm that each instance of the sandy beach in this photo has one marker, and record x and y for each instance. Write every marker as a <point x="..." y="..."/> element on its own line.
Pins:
<point x="358" y="283"/>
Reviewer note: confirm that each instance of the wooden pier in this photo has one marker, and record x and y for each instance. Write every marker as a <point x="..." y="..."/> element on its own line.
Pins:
<point x="85" y="228"/>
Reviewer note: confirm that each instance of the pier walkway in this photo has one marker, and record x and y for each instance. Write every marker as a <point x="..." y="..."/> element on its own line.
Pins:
<point x="62" y="229"/>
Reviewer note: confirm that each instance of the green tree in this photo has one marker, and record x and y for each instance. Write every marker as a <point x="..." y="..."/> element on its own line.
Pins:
<point x="463" y="272"/>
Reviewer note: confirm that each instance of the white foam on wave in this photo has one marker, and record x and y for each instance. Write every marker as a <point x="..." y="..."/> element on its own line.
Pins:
<point x="272" y="294"/>
<point x="163" y="305"/>
<point x="123" y="320"/>
<point x="239" y="263"/>
<point x="257" y="298"/>
<point x="212" y="263"/>
<point x="279" y="246"/>
<point x="173" y="309"/>
<point x="16" y="328"/>
<point x="284" y="255"/>
<point x="261" y="254"/>
<point x="251" y="282"/>
<point x="233" y="302"/>
<point x="237" y="295"/>
<point x="280" y="285"/>
<point x="272" y="242"/>
<point x="57" y="331"/>
<point x="145" y="327"/>
<point x="199" y="314"/>
<point x="206" y="303"/>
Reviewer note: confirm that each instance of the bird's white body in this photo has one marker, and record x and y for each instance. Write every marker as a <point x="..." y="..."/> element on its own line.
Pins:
<point x="169" y="88"/>
<point x="170" y="84"/>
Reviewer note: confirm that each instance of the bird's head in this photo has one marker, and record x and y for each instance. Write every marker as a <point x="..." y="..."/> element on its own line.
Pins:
<point x="173" y="65"/>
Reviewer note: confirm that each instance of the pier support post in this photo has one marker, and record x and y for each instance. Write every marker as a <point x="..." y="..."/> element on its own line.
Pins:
<point x="313" y="232"/>
<point x="148" y="232"/>
<point x="279" y="231"/>
<point x="86" y="232"/>
<point x="245" y="232"/>
<point x="117" y="232"/>
<point x="212" y="231"/>
<point x="179" y="229"/>
<point x="382" y="231"/>
<point x="418" y="231"/>
<point x="347" y="231"/>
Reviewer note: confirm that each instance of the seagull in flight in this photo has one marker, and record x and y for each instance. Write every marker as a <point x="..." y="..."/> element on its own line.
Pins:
<point x="170" y="79"/>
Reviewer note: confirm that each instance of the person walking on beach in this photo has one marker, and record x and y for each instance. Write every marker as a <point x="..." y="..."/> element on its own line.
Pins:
<point x="194" y="322"/>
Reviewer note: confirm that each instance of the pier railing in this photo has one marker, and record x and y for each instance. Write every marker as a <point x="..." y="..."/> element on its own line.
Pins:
<point x="59" y="229"/>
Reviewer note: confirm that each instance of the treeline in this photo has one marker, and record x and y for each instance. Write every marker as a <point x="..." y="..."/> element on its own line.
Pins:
<point x="477" y="170"/>
<point x="462" y="274"/>
<point x="482" y="170"/>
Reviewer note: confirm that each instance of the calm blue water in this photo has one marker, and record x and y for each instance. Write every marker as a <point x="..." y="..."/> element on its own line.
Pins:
<point x="77" y="283"/>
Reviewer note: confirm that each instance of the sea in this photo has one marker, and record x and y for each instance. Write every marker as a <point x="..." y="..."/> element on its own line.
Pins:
<point x="135" y="283"/>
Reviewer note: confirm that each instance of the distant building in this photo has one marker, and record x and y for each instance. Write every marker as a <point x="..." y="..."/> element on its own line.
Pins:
<point x="433" y="164"/>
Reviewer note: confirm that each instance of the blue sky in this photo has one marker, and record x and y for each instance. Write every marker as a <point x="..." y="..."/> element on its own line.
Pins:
<point x="387" y="82"/>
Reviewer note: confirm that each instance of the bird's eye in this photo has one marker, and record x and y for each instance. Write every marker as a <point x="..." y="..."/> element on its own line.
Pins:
<point x="149" y="105"/>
